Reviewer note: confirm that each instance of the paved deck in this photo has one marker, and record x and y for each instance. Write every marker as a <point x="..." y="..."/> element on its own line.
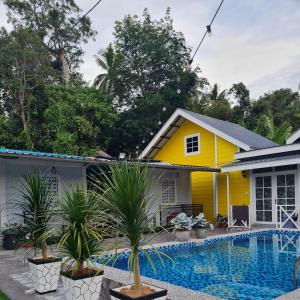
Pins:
<point x="15" y="278"/>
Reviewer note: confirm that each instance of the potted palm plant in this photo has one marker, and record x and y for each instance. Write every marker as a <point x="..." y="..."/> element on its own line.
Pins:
<point x="126" y="199"/>
<point x="200" y="226"/>
<point x="36" y="202"/>
<point x="78" y="243"/>
<point x="182" y="225"/>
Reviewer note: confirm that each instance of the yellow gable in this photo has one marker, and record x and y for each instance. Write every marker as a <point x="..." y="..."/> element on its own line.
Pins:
<point x="173" y="151"/>
<point x="214" y="152"/>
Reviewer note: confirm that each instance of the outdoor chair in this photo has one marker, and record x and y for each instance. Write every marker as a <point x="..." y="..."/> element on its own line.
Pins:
<point x="239" y="217"/>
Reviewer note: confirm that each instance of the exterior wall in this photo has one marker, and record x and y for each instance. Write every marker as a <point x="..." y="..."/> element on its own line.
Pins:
<point x="183" y="184"/>
<point x="208" y="188"/>
<point x="14" y="169"/>
<point x="239" y="183"/>
<point x="202" y="182"/>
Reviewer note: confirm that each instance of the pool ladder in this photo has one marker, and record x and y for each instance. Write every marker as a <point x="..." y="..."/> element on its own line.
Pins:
<point x="296" y="264"/>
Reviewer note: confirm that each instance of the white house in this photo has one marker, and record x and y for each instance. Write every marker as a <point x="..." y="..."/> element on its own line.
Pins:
<point x="172" y="188"/>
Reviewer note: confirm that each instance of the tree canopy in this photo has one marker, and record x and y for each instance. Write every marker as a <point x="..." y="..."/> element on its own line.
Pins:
<point x="144" y="75"/>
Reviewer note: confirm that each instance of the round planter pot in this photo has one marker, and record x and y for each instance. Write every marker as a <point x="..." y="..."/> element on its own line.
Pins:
<point x="82" y="288"/>
<point x="201" y="233"/>
<point x="10" y="241"/>
<point x="45" y="274"/>
<point x="182" y="236"/>
<point x="158" y="294"/>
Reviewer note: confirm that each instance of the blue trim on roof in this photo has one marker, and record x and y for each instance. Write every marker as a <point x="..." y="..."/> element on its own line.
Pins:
<point x="40" y="154"/>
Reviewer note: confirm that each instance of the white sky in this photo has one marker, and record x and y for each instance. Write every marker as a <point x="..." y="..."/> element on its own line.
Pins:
<point x="254" y="41"/>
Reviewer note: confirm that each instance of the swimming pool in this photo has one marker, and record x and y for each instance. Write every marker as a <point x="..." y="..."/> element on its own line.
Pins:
<point x="247" y="266"/>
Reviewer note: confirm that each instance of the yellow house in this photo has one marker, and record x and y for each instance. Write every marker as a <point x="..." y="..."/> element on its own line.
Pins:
<point x="188" y="138"/>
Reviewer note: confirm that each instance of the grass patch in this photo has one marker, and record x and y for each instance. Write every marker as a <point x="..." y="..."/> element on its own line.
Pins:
<point x="3" y="296"/>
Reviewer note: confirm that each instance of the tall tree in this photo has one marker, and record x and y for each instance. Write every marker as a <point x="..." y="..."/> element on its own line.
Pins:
<point x="24" y="66"/>
<point x="105" y="60"/>
<point x="77" y="120"/>
<point x="55" y="23"/>
<point x="283" y="104"/>
<point x="242" y="108"/>
<point x="215" y="94"/>
<point x="151" y="72"/>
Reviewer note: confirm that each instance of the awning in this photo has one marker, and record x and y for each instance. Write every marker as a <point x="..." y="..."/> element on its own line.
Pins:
<point x="262" y="163"/>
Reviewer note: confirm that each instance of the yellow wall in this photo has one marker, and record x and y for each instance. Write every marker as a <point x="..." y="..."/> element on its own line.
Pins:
<point x="202" y="182"/>
<point x="239" y="184"/>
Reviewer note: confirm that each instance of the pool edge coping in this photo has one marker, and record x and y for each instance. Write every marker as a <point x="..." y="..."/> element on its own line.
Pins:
<point x="178" y="292"/>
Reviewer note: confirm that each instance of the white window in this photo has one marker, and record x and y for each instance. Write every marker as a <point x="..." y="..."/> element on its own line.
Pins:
<point x="168" y="187"/>
<point x="53" y="181"/>
<point x="192" y="144"/>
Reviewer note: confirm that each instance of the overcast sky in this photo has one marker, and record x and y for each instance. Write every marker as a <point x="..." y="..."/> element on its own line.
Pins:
<point x="253" y="41"/>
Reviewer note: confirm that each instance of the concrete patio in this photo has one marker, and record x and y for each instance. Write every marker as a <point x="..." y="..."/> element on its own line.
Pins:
<point x="15" y="278"/>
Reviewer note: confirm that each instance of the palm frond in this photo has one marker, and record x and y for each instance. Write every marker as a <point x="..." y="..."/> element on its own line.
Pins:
<point x="37" y="203"/>
<point x="79" y="242"/>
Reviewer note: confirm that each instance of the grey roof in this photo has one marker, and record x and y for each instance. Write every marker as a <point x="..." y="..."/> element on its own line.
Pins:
<point x="262" y="160"/>
<point x="253" y="140"/>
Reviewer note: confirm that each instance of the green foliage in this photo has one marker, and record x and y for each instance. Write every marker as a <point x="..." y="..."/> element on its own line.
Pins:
<point x="79" y="241"/>
<point x="105" y="60"/>
<point x="150" y="71"/>
<point x="54" y="22"/>
<point x="282" y="133"/>
<point x="265" y="126"/>
<point x="37" y="203"/>
<point x="77" y="120"/>
<point x="125" y="192"/>
<point x="24" y="66"/>
<point x="3" y="296"/>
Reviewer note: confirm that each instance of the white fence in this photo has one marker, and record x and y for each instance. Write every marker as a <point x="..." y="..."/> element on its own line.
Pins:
<point x="288" y="216"/>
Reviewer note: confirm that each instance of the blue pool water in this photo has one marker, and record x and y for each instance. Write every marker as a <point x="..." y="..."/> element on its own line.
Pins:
<point x="256" y="266"/>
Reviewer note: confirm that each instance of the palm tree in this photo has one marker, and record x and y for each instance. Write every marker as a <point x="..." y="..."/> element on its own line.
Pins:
<point x="126" y="199"/>
<point x="215" y="94"/>
<point x="105" y="60"/>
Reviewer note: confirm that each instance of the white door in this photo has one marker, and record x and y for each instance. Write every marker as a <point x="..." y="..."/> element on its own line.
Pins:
<point x="285" y="191"/>
<point x="264" y="199"/>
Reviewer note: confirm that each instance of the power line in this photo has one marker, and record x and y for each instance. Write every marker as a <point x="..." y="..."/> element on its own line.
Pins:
<point x="208" y="30"/>
<point x="80" y="19"/>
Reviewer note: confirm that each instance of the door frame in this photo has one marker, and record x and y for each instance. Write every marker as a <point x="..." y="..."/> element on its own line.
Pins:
<point x="274" y="192"/>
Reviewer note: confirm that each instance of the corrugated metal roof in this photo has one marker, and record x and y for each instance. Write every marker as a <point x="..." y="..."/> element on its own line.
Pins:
<point x="94" y="160"/>
<point x="255" y="141"/>
<point x="254" y="162"/>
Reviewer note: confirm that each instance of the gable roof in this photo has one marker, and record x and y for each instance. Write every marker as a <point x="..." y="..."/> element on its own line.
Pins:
<point x="294" y="137"/>
<point x="233" y="133"/>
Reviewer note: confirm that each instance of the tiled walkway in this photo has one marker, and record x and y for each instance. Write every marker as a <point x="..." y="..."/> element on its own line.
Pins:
<point x="15" y="278"/>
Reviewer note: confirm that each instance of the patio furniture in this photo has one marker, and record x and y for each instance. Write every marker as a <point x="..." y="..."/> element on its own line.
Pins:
<point x="239" y="216"/>
<point x="168" y="212"/>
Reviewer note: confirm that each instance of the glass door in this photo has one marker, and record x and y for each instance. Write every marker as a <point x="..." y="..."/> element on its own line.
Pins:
<point x="263" y="195"/>
<point x="286" y="192"/>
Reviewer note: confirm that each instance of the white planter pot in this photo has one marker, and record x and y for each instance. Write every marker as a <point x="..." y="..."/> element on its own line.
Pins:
<point x="159" y="294"/>
<point x="182" y="236"/>
<point x="45" y="275"/>
<point x="84" y="288"/>
<point x="201" y="233"/>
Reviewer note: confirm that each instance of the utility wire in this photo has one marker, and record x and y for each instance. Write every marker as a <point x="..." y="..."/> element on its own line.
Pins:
<point x="206" y="32"/>
<point x="81" y="18"/>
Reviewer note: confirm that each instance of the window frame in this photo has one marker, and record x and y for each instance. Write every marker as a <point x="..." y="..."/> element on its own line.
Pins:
<point x="58" y="179"/>
<point x="185" y="144"/>
<point x="162" y="191"/>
